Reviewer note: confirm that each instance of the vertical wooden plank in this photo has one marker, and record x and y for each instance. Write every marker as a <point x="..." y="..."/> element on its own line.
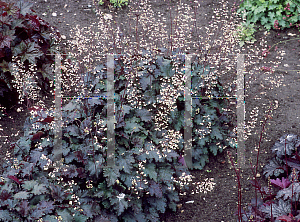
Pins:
<point x="110" y="112"/>
<point x="187" y="115"/>
<point x="240" y="111"/>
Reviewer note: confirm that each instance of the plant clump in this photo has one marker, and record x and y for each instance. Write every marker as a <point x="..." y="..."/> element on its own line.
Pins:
<point x="25" y="42"/>
<point x="147" y="174"/>
<point x="279" y="203"/>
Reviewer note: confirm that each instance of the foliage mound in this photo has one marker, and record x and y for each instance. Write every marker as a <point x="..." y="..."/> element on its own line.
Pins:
<point x="285" y="12"/>
<point x="280" y="202"/>
<point x="115" y="3"/>
<point x="146" y="177"/>
<point x="26" y="38"/>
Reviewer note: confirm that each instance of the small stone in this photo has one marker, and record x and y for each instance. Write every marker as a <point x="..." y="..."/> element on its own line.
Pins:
<point x="54" y="14"/>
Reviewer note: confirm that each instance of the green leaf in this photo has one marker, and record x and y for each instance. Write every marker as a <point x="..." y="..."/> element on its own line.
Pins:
<point x="150" y="153"/>
<point x="25" y="7"/>
<point x="39" y="189"/>
<point x="125" y="162"/>
<point x="21" y="195"/>
<point x="279" y="13"/>
<point x="159" y="204"/>
<point x="203" y="141"/>
<point x="165" y="173"/>
<point x="172" y="206"/>
<point x="127" y="179"/>
<point x="31" y="51"/>
<point x="46" y="142"/>
<point x="255" y="18"/>
<point x="144" y="114"/>
<point x="271" y="15"/>
<point x="5" y="215"/>
<point x="80" y="218"/>
<point x="173" y="196"/>
<point x="268" y="27"/>
<point x="214" y="149"/>
<point x="29" y="185"/>
<point x="264" y="20"/>
<point x="111" y="174"/>
<point x="50" y="218"/>
<point x="282" y="23"/>
<point x="260" y="9"/>
<point x="120" y="205"/>
<point x="90" y="209"/>
<point x="65" y="214"/>
<point x="72" y="105"/>
<point x="146" y="80"/>
<point x="150" y="170"/>
<point x="165" y="67"/>
<point x="201" y="163"/>
<point x="95" y="167"/>
<point x="216" y="133"/>
<point x="153" y="215"/>
<point x="105" y="192"/>
<point x="133" y="126"/>
<point x="23" y="144"/>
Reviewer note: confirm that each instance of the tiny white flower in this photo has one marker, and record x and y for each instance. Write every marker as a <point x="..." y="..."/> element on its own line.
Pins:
<point x="121" y="196"/>
<point x="54" y="14"/>
<point x="107" y="16"/>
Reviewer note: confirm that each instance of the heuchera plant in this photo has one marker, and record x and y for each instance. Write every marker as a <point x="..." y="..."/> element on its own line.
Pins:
<point x="282" y="13"/>
<point x="28" y="38"/>
<point x="116" y="3"/>
<point x="141" y="185"/>
<point x="279" y="203"/>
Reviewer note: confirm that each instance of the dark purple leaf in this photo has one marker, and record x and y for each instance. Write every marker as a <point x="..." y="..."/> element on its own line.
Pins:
<point x="293" y="163"/>
<point x="285" y="145"/>
<point x="81" y="173"/>
<point x="57" y="193"/>
<point x="282" y="208"/>
<point x="5" y="41"/>
<point x="34" y="22"/>
<point x="24" y="208"/>
<point x="181" y="160"/>
<point x="27" y="168"/>
<point x="144" y="114"/>
<point x="155" y="189"/>
<point x="35" y="156"/>
<point x="274" y="167"/>
<point x="5" y="195"/>
<point x="47" y="206"/>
